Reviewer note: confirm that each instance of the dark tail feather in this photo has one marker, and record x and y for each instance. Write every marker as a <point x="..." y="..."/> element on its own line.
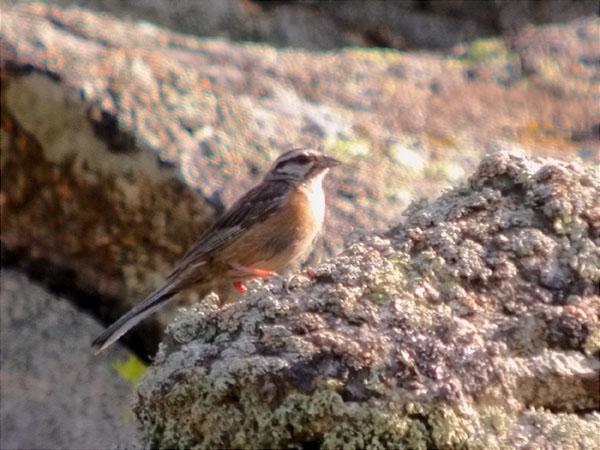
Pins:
<point x="139" y="312"/>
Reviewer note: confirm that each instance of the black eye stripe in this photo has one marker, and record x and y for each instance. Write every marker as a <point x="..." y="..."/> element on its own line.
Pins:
<point x="299" y="159"/>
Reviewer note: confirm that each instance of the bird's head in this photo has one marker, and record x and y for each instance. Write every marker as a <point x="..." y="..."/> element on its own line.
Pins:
<point x="301" y="166"/>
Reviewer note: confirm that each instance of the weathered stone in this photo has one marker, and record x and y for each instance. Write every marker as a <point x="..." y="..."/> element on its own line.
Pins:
<point x="414" y="338"/>
<point x="325" y="25"/>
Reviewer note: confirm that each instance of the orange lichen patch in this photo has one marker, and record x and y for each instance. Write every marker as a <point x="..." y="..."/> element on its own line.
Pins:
<point x="438" y="141"/>
<point x="536" y="134"/>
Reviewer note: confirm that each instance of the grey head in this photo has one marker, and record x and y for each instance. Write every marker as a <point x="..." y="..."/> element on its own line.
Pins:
<point x="300" y="166"/>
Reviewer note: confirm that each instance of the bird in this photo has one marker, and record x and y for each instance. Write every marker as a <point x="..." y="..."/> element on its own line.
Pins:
<point x="265" y="230"/>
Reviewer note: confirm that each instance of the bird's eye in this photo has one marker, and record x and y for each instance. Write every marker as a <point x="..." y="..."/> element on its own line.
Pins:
<point x="303" y="159"/>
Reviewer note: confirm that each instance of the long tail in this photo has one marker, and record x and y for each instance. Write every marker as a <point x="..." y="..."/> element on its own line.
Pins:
<point x="139" y="312"/>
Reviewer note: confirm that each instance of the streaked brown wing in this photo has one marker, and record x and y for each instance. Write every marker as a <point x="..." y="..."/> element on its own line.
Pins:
<point x="255" y="206"/>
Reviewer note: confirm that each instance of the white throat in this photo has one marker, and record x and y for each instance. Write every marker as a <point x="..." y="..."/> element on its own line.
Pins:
<point x="314" y="191"/>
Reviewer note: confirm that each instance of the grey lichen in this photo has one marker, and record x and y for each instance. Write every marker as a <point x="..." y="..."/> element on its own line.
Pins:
<point x="474" y="324"/>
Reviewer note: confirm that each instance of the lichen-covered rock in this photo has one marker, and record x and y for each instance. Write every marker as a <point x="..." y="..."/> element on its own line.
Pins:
<point x="474" y="324"/>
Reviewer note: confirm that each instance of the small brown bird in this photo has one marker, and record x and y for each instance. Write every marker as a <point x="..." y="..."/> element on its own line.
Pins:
<point x="266" y="229"/>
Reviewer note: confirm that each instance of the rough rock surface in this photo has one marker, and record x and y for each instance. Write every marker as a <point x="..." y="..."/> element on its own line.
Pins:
<point x="54" y="393"/>
<point x="473" y="324"/>
<point x="324" y="24"/>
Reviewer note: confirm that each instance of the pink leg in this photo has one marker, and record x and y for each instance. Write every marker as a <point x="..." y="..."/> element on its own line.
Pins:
<point x="239" y="286"/>
<point x="250" y="271"/>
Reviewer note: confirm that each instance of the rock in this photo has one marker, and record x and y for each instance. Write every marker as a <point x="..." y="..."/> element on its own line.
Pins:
<point x="55" y="393"/>
<point x="472" y="324"/>
<point x="325" y="25"/>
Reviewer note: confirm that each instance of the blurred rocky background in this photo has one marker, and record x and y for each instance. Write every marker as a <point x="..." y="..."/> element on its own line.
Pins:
<point x="121" y="141"/>
<point x="331" y="24"/>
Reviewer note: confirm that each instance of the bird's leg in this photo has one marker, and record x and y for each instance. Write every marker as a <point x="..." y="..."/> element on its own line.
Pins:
<point x="239" y="286"/>
<point x="250" y="271"/>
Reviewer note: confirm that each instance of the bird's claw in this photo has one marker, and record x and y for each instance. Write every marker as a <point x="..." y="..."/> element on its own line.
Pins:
<point x="239" y="286"/>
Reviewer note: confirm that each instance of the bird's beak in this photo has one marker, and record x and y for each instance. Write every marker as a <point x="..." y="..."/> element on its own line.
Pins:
<point x="328" y="161"/>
